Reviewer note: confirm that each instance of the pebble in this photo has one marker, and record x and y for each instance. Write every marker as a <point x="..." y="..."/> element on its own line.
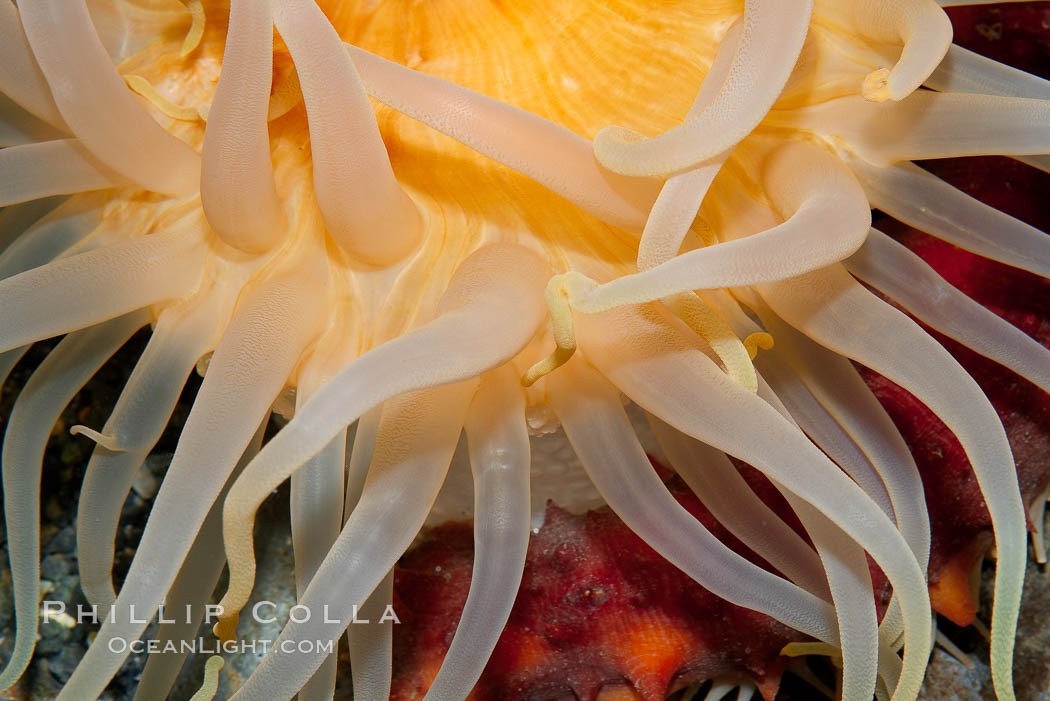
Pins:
<point x="54" y="567"/>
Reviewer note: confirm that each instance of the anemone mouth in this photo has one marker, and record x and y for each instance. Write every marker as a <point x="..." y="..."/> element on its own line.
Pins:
<point x="690" y="231"/>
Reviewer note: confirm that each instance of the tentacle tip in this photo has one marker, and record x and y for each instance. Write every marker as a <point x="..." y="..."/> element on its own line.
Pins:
<point x="210" y="685"/>
<point x="758" y="340"/>
<point x="876" y="86"/>
<point x="546" y="366"/>
<point x="1003" y="683"/>
<point x="612" y="149"/>
<point x="110" y="443"/>
<point x="806" y="649"/>
<point x="196" y="31"/>
<point x="225" y="629"/>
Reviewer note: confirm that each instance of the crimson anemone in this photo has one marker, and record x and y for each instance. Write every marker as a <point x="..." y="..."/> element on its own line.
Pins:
<point x="238" y="190"/>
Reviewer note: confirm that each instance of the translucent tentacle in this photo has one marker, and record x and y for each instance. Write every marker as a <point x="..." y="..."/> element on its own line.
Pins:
<point x="865" y="660"/>
<point x="181" y="337"/>
<point x="770" y="44"/>
<point x="193" y="587"/>
<point x="855" y="323"/>
<point x="840" y="390"/>
<point x="893" y="269"/>
<point x="719" y="690"/>
<point x="726" y="494"/>
<point x="97" y="105"/>
<point x="8" y="361"/>
<point x="61" y="167"/>
<point x="922" y="200"/>
<point x="964" y="71"/>
<point x="86" y="289"/>
<point x="237" y="186"/>
<point x="263" y="340"/>
<point x="843" y="561"/>
<point x="920" y="25"/>
<point x="673" y="213"/>
<point x="681" y="195"/>
<point x="21" y="79"/>
<point x="45" y="241"/>
<point x="827" y="219"/>
<point x="364" y="207"/>
<point x="472" y="334"/>
<point x="371" y="645"/>
<point x="50" y="237"/>
<point x="16" y="220"/>
<point x="18" y="127"/>
<point x="317" y="516"/>
<point x="210" y="686"/>
<point x="825" y="431"/>
<point x="499" y="458"/>
<point x="51" y="387"/>
<point x="360" y="458"/>
<point x="657" y="367"/>
<point x="417" y="437"/>
<point x="928" y="124"/>
<point x="550" y="154"/>
<point x="838" y="411"/>
<point x="601" y="435"/>
<point x="850" y="580"/>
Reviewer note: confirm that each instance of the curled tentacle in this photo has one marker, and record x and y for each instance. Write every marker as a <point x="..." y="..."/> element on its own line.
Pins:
<point x="681" y="195"/>
<point x="920" y="25"/>
<point x="547" y="152"/>
<point x="769" y="46"/>
<point x="96" y="104"/>
<point x="827" y="219"/>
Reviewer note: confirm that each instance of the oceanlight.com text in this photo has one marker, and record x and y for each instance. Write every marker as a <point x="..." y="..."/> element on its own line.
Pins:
<point x="216" y="647"/>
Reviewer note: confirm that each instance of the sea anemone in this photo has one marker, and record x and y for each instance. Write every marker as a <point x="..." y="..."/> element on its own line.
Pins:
<point x="555" y="206"/>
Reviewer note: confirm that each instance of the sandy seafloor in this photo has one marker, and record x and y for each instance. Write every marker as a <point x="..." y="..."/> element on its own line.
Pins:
<point x="60" y="648"/>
